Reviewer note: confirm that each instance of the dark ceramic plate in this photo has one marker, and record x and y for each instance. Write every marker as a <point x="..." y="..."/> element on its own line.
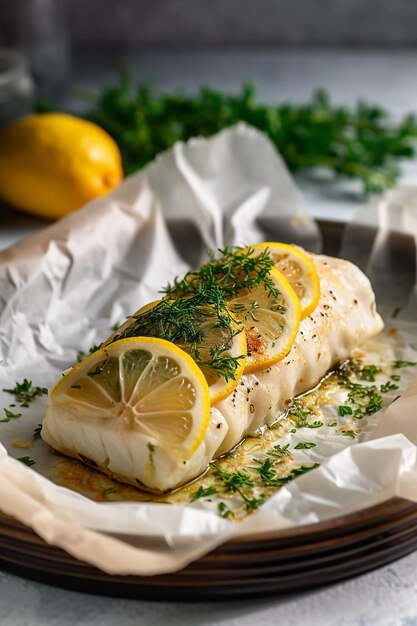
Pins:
<point x="250" y="566"/>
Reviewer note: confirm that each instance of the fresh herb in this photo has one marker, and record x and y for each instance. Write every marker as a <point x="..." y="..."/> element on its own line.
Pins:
<point x="302" y="413"/>
<point x="396" y="312"/>
<point x="185" y="322"/>
<point x="223" y="509"/>
<point x="332" y="424"/>
<point x="395" y="377"/>
<point x="349" y="433"/>
<point x="25" y="392"/>
<point x="368" y="372"/>
<point x="10" y="415"/>
<point x="26" y="460"/>
<point x="83" y="355"/>
<point x="388" y="386"/>
<point x="270" y="477"/>
<point x="234" y="482"/>
<point x="398" y="364"/>
<point x="345" y="410"/>
<point x="361" y="143"/>
<point x="37" y="430"/>
<point x="203" y="492"/>
<point x="236" y="269"/>
<point x="364" y="400"/>
<point x="304" y="445"/>
<point x="280" y="452"/>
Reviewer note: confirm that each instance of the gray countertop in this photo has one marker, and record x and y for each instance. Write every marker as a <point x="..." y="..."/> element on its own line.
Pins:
<point x="385" y="597"/>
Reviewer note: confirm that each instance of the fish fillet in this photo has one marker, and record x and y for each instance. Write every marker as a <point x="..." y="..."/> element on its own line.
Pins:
<point x="345" y="318"/>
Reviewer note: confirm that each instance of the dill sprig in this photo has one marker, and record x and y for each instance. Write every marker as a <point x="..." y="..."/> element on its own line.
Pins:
<point x="25" y="392"/>
<point x="235" y="270"/>
<point x="186" y="322"/>
<point x="234" y="482"/>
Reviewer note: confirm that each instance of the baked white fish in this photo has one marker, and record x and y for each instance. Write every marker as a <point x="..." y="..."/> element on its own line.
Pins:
<point x="344" y="318"/>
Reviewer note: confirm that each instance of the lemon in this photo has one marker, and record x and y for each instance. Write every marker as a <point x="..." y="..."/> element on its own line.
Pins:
<point x="271" y="320"/>
<point x="53" y="163"/>
<point x="299" y="270"/>
<point x="227" y="340"/>
<point x="144" y="385"/>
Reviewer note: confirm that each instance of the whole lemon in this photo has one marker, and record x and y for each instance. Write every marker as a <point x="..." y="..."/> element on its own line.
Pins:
<point x="53" y="163"/>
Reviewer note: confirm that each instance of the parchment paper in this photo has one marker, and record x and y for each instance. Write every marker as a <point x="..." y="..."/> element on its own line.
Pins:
<point x="63" y="289"/>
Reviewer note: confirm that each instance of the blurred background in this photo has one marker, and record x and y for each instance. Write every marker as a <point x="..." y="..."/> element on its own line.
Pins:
<point x="66" y="54"/>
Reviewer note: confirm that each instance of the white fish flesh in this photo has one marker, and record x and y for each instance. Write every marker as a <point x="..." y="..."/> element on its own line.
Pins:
<point x="345" y="318"/>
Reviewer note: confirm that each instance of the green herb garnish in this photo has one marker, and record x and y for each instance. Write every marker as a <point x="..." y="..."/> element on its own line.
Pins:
<point x="304" y="445"/>
<point x="26" y="460"/>
<point x="234" y="482"/>
<point x="25" y="392"/>
<point x="363" y="143"/>
<point x="83" y="355"/>
<point x="368" y="372"/>
<point x="203" y="492"/>
<point x="223" y="509"/>
<point x="185" y="321"/>
<point x="398" y="364"/>
<point x="10" y="415"/>
<point x="345" y="410"/>
<point x="388" y="386"/>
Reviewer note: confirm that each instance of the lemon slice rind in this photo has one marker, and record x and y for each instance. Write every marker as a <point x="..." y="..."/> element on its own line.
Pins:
<point x="109" y="405"/>
<point x="298" y="268"/>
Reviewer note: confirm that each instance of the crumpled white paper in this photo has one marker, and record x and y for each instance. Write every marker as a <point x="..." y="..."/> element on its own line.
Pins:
<point x="62" y="290"/>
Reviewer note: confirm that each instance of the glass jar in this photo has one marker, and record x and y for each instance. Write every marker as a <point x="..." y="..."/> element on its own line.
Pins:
<point x="16" y="86"/>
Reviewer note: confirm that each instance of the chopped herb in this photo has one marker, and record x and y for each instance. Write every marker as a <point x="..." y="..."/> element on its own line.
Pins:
<point x="395" y="377"/>
<point x="302" y="413"/>
<point x="398" y="364"/>
<point x="203" y="492"/>
<point x="349" y="433"/>
<point x="395" y="312"/>
<point x="37" y="430"/>
<point x="280" y="452"/>
<point x="10" y="415"/>
<point x="270" y="477"/>
<point x="109" y="491"/>
<point x="332" y="424"/>
<point x="315" y="424"/>
<point x="25" y="392"/>
<point x="388" y="386"/>
<point x="234" y="481"/>
<point x="83" y="355"/>
<point x="368" y="372"/>
<point x="223" y="509"/>
<point x="234" y="270"/>
<point x="184" y="321"/>
<point x="26" y="460"/>
<point x="345" y="410"/>
<point x="304" y="445"/>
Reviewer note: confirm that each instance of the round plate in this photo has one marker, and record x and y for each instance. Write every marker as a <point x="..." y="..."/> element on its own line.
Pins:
<point x="249" y="566"/>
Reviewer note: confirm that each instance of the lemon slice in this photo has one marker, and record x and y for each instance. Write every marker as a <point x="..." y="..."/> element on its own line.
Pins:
<point x="221" y="386"/>
<point x="299" y="270"/>
<point x="219" y="341"/>
<point x="143" y="384"/>
<point x="270" y="321"/>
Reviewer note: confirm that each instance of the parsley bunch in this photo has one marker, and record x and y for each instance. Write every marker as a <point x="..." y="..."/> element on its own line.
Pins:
<point x="363" y="143"/>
